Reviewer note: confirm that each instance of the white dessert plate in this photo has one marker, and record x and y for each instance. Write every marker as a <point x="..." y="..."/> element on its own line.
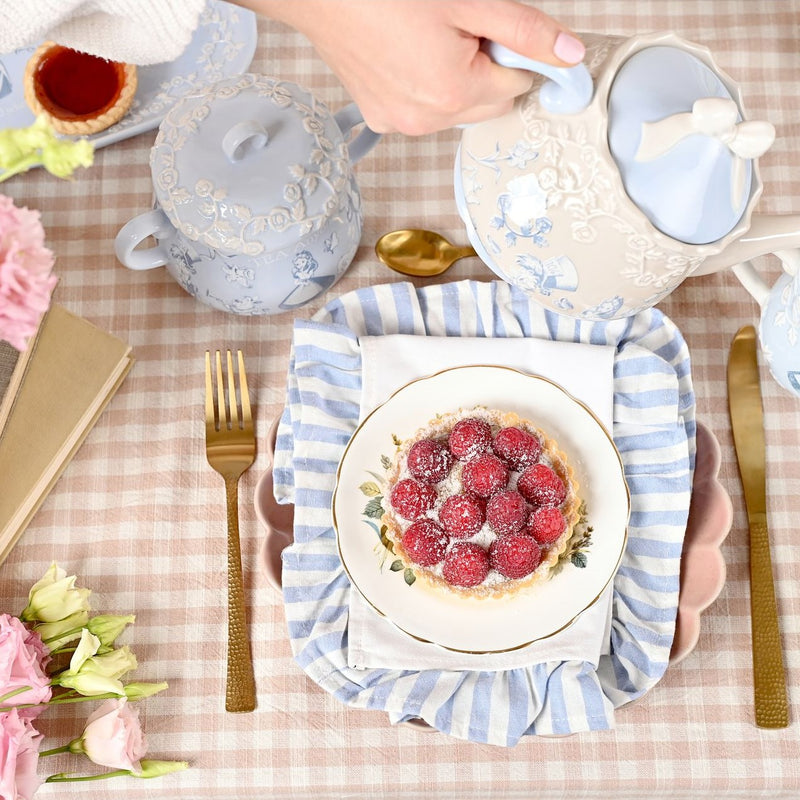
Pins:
<point x="702" y="564"/>
<point x="486" y="624"/>
<point x="223" y="45"/>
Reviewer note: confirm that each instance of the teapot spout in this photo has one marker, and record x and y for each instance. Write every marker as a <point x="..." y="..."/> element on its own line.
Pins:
<point x="767" y="234"/>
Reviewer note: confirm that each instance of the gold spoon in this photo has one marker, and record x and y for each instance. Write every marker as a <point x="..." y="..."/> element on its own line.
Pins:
<point x="418" y="252"/>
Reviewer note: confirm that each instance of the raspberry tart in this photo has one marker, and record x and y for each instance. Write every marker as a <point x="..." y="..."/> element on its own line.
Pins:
<point x="78" y="93"/>
<point x="480" y="502"/>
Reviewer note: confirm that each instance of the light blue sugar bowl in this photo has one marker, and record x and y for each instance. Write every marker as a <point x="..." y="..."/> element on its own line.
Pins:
<point x="257" y="210"/>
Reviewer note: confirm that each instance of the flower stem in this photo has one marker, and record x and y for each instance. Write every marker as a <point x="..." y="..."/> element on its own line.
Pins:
<point x="81" y="698"/>
<point x="13" y="693"/>
<point x="64" y="777"/>
<point x="62" y="700"/>
<point x="60" y="650"/>
<point x="74" y="632"/>
<point x="63" y="749"/>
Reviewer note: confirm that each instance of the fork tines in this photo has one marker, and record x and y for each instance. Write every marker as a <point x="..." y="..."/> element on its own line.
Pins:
<point x="224" y="414"/>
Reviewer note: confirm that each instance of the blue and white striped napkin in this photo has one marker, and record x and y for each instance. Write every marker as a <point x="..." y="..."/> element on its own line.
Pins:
<point x="654" y="430"/>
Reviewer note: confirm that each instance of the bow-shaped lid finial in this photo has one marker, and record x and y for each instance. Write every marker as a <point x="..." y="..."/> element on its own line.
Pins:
<point x="683" y="149"/>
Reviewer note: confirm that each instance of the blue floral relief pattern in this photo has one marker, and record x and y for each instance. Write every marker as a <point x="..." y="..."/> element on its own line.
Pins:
<point x="541" y="176"/>
<point x="557" y="273"/>
<point x="605" y="310"/>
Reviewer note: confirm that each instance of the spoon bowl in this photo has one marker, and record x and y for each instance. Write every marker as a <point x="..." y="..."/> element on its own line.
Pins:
<point x="418" y="252"/>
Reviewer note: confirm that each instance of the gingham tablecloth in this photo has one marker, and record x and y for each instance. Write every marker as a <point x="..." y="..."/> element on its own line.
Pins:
<point x="139" y="515"/>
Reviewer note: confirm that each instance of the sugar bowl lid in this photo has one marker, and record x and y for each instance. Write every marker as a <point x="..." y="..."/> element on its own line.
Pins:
<point x="249" y="165"/>
<point x="684" y="152"/>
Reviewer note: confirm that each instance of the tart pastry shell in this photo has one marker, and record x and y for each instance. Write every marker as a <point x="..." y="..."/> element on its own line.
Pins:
<point x="78" y="124"/>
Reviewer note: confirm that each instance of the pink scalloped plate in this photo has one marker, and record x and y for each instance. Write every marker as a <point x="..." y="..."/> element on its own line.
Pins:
<point x="276" y="519"/>
<point x="702" y="564"/>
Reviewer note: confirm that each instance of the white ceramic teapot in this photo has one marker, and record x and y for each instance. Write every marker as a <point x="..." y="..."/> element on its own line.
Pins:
<point x="257" y="209"/>
<point x="612" y="181"/>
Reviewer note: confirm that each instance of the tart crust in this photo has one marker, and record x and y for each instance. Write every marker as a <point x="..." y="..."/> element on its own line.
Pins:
<point x="552" y="455"/>
<point x="75" y="124"/>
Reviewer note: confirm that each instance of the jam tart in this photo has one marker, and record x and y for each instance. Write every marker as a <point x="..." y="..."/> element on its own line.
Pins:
<point x="79" y="94"/>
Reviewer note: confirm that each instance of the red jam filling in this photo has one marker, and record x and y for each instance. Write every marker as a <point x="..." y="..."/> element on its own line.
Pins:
<point x="74" y="85"/>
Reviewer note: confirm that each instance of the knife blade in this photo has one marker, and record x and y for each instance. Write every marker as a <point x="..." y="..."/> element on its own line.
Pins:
<point x="747" y="424"/>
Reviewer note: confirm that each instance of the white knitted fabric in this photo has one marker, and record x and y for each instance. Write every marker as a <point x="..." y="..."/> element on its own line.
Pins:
<point x="133" y="31"/>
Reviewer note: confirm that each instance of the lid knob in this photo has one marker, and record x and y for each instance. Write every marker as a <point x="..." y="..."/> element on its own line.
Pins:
<point x="243" y="138"/>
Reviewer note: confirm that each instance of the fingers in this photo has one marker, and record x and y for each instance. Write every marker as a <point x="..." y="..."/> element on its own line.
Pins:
<point x="523" y="29"/>
<point x="490" y="85"/>
<point x="412" y="121"/>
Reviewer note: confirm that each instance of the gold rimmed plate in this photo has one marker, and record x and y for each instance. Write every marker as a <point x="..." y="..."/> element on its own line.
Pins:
<point x="487" y="624"/>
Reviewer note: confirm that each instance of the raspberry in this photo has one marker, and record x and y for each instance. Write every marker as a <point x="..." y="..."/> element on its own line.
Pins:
<point x="466" y="564"/>
<point x="514" y="555"/>
<point x="462" y="515"/>
<point x="469" y="437"/>
<point x="517" y="447"/>
<point x="506" y="512"/>
<point x="540" y="486"/>
<point x="546" y="524"/>
<point x="429" y="461"/>
<point x="425" y="542"/>
<point x="411" y="499"/>
<point x="484" y="475"/>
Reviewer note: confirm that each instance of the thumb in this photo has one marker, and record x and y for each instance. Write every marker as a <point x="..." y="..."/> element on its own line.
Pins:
<point x="525" y="30"/>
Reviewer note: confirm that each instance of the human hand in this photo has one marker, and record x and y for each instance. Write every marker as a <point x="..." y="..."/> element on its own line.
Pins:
<point x="415" y="66"/>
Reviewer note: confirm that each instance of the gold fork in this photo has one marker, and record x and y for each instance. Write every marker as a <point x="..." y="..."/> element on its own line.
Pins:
<point x="231" y="449"/>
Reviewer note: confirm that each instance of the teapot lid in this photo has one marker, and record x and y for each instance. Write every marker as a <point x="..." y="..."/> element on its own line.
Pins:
<point x="249" y="164"/>
<point x="682" y="149"/>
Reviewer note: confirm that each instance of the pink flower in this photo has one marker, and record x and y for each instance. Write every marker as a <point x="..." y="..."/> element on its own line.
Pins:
<point x="113" y="736"/>
<point x="23" y="658"/>
<point x="19" y="756"/>
<point x="26" y="282"/>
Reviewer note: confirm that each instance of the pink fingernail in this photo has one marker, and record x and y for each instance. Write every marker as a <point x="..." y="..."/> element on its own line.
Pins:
<point x="568" y="48"/>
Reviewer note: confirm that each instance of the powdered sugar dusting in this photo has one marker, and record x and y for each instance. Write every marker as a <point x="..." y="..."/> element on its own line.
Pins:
<point x="438" y="429"/>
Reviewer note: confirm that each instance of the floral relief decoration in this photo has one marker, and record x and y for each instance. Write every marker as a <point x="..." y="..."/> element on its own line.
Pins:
<point x="217" y="222"/>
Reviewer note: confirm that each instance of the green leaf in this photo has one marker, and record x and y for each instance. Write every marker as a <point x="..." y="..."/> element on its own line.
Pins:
<point x="370" y="488"/>
<point x="396" y="566"/>
<point x="374" y="509"/>
<point x="579" y="559"/>
<point x="386" y="462"/>
<point x="409" y="576"/>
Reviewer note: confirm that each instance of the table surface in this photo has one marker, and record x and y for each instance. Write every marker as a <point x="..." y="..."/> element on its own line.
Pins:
<point x="139" y="517"/>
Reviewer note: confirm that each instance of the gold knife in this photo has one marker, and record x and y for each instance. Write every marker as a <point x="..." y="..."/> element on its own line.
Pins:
<point x="747" y="423"/>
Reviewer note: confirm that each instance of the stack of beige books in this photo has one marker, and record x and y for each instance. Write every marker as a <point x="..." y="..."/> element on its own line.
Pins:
<point x="51" y="395"/>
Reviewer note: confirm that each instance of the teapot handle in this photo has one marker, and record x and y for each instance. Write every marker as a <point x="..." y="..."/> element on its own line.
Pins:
<point x="790" y="261"/>
<point x="568" y="90"/>
<point x="347" y="118"/>
<point x="750" y="278"/>
<point x="134" y="232"/>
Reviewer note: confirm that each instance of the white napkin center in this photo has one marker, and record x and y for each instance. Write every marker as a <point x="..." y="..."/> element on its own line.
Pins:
<point x="390" y="362"/>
